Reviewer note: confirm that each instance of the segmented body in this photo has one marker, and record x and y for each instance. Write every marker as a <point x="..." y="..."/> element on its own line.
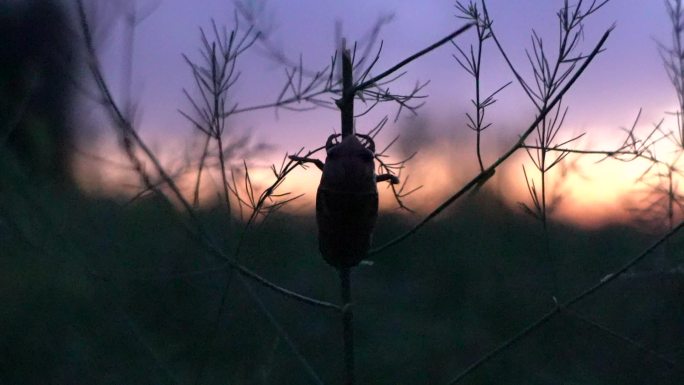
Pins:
<point x="347" y="202"/>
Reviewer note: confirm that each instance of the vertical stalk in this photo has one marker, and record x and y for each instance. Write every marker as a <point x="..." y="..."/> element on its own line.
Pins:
<point x="678" y="65"/>
<point x="671" y="200"/>
<point x="218" y="122"/>
<point x="127" y="78"/>
<point x="348" y="328"/>
<point x="200" y="168"/>
<point x="481" y="31"/>
<point x="224" y="176"/>
<point x="550" y="260"/>
<point x="346" y="105"/>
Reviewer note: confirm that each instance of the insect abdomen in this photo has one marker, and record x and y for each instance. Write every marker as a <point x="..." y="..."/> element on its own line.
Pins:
<point x="346" y="203"/>
<point x="345" y="225"/>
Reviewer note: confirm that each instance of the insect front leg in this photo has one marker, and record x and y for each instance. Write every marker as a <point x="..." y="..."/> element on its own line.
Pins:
<point x="302" y="159"/>
<point x="387" y="177"/>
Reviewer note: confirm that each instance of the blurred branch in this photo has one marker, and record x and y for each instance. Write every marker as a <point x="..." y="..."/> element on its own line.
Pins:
<point x="99" y="158"/>
<point x="200" y="168"/>
<point x="59" y="231"/>
<point x="347" y="326"/>
<point x="606" y="330"/>
<point x="150" y="350"/>
<point x="258" y="207"/>
<point x="198" y="233"/>
<point x="673" y="60"/>
<point x="561" y="307"/>
<point x="664" y="191"/>
<point x="281" y="332"/>
<point x="15" y="119"/>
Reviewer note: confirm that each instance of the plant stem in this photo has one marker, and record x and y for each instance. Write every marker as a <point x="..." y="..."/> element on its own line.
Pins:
<point x="200" y="168"/>
<point x="346" y="106"/>
<point x="562" y="306"/>
<point x="479" y="110"/>
<point x="346" y="103"/>
<point x="224" y="177"/>
<point x="482" y="177"/>
<point x="413" y="57"/>
<point x="348" y="328"/>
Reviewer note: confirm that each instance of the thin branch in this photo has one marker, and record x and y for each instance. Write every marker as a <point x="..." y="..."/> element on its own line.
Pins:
<point x="671" y="364"/>
<point x="14" y="121"/>
<point x="281" y="331"/>
<point x="558" y="309"/>
<point x="411" y="58"/>
<point x="348" y="328"/>
<point x="197" y="233"/>
<point x="489" y="171"/>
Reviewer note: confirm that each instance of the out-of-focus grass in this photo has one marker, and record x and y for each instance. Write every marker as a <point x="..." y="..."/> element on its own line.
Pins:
<point x="89" y="297"/>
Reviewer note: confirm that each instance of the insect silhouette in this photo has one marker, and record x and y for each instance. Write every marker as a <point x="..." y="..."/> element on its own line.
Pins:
<point x="347" y="198"/>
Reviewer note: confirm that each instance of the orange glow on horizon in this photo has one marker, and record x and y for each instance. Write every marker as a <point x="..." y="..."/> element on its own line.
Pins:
<point x="593" y="194"/>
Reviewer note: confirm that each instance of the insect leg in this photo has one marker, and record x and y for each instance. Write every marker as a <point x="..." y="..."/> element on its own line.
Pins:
<point x="301" y="159"/>
<point x="387" y="177"/>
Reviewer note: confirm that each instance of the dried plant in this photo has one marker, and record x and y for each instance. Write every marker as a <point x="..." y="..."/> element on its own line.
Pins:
<point x="471" y="62"/>
<point x="214" y="78"/>
<point x="550" y="73"/>
<point x="548" y="80"/>
<point x="347" y="198"/>
<point x="213" y="104"/>
<point x="673" y="60"/>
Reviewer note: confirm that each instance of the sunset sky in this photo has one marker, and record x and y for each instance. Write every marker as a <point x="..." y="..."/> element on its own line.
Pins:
<point x="627" y="77"/>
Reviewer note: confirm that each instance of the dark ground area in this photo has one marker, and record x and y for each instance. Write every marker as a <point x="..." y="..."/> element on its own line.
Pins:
<point x="95" y="291"/>
<point x="89" y="297"/>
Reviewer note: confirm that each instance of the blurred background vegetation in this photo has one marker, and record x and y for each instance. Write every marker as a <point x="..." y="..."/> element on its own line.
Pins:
<point x="93" y="289"/>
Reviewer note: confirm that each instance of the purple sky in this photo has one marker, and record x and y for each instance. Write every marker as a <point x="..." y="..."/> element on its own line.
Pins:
<point x="625" y="78"/>
<point x="629" y="75"/>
